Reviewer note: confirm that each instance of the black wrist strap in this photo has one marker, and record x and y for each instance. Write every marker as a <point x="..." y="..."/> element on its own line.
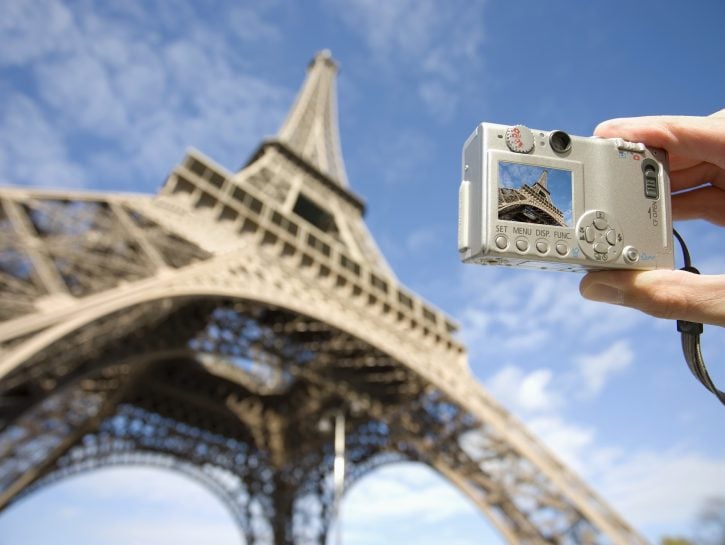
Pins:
<point x="690" y="333"/>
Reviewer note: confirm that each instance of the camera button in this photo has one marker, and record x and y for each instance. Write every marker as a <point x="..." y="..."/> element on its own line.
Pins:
<point x="611" y="237"/>
<point x="562" y="249"/>
<point x="519" y="139"/>
<point x="600" y="223"/>
<point x="542" y="247"/>
<point x="501" y="242"/>
<point x="608" y="240"/>
<point x="522" y="244"/>
<point x="631" y="254"/>
<point x="625" y="145"/>
<point x="601" y="247"/>
<point x="589" y="234"/>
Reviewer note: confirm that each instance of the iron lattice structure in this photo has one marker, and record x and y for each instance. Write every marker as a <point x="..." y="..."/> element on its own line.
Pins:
<point x="529" y="204"/>
<point x="212" y="327"/>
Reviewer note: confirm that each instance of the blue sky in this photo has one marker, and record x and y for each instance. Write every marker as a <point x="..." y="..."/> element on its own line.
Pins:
<point x="99" y="96"/>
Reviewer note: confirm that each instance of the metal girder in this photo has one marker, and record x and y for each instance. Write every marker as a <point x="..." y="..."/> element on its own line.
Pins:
<point x="420" y="421"/>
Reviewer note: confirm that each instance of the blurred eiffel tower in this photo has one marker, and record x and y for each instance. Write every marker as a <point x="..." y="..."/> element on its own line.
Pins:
<point x="216" y="327"/>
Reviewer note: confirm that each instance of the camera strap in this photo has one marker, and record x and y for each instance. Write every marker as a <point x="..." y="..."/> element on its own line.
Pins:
<point x="690" y="334"/>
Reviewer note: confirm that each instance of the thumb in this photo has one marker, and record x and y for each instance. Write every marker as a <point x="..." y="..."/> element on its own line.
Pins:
<point x="688" y="139"/>
<point x="676" y="295"/>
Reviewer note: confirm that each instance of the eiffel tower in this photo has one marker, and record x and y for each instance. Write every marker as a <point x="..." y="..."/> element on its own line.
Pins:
<point x="215" y="327"/>
<point x="529" y="204"/>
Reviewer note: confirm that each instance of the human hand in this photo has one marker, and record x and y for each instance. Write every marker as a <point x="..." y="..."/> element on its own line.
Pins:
<point x="696" y="149"/>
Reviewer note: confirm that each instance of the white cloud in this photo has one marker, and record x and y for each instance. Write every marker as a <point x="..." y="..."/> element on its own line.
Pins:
<point x="418" y="29"/>
<point x="159" y="488"/>
<point x="122" y="505"/>
<point x="19" y="28"/>
<point x="567" y="351"/>
<point x="529" y="318"/>
<point x="133" y="100"/>
<point x="423" y="238"/>
<point x="438" y="99"/>
<point x="399" y="156"/>
<point x="654" y="491"/>
<point x="249" y="25"/>
<point x="31" y="150"/>
<point x="508" y="312"/>
<point x="94" y="105"/>
<point x="415" y="37"/>
<point x="572" y="443"/>
<point x="407" y="502"/>
<point x="405" y="491"/>
<point x="653" y="488"/>
<point x="597" y="369"/>
<point x="526" y="392"/>
<point x="406" y="27"/>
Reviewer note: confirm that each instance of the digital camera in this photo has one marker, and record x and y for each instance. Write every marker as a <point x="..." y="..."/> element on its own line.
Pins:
<point x="549" y="200"/>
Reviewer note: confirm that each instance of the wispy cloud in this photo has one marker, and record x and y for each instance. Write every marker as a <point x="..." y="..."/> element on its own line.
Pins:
<point x="135" y="87"/>
<point x="518" y="312"/>
<point x="527" y="392"/>
<point x="573" y="443"/>
<point x="20" y="28"/>
<point x="415" y="37"/>
<point x="122" y="505"/>
<point x="409" y="502"/>
<point x="661" y="487"/>
<point x="410" y="492"/>
<point x="597" y="369"/>
<point x="32" y="151"/>
<point x="526" y="319"/>
<point x="633" y="481"/>
<point x="423" y="238"/>
<point x="398" y="156"/>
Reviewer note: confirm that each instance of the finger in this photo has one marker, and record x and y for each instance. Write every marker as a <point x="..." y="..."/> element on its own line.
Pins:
<point x="667" y="294"/>
<point x="697" y="175"/>
<point x="706" y="203"/>
<point x="688" y="140"/>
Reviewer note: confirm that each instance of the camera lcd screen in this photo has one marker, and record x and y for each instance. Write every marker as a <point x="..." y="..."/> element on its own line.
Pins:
<point x="534" y="194"/>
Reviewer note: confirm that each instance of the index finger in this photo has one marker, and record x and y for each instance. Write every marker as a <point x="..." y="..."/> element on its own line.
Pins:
<point x="688" y="140"/>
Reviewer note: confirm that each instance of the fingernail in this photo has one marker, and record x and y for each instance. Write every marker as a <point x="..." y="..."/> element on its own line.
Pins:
<point x="604" y="294"/>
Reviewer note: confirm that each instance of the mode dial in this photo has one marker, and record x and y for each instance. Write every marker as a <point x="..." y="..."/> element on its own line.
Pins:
<point x="520" y="139"/>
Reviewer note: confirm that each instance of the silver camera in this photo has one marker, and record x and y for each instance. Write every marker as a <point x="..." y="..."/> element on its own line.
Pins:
<point x="548" y="200"/>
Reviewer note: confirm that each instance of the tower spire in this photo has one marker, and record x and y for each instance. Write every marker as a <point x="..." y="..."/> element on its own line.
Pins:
<point x="311" y="127"/>
<point x="543" y="180"/>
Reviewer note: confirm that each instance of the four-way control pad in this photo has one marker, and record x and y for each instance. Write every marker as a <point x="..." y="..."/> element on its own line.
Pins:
<point x="600" y="238"/>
